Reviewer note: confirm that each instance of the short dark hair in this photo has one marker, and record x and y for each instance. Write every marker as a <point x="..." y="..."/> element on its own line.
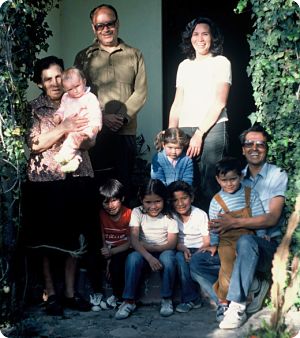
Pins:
<point x="216" y="47"/>
<point x="228" y="164"/>
<point x="45" y="63"/>
<point x="103" y="6"/>
<point x="256" y="128"/>
<point x="112" y="188"/>
<point x="180" y="186"/>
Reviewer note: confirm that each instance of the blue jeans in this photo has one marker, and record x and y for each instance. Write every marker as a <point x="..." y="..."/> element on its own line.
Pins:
<point x="205" y="271"/>
<point x="215" y="143"/>
<point x="189" y="289"/>
<point x="135" y="263"/>
<point x="254" y="254"/>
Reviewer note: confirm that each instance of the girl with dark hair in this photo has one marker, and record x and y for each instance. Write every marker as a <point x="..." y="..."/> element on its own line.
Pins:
<point x="199" y="107"/>
<point x="153" y="236"/>
<point x="171" y="163"/>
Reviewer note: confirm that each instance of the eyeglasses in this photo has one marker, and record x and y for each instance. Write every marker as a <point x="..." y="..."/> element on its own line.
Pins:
<point x="100" y="26"/>
<point x="259" y="144"/>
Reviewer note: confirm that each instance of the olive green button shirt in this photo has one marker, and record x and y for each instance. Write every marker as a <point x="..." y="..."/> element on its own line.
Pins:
<point x="118" y="79"/>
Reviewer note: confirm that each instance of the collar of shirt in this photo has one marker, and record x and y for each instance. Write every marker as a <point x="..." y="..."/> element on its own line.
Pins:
<point x="173" y="162"/>
<point x="43" y="101"/>
<point x="95" y="46"/>
<point x="263" y="172"/>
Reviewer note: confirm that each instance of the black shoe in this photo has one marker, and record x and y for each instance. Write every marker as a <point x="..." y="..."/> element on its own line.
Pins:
<point x="53" y="307"/>
<point x="77" y="303"/>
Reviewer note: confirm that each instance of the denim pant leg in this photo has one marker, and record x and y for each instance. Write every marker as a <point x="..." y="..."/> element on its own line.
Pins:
<point x="189" y="289"/>
<point x="133" y="269"/>
<point x="214" y="148"/>
<point x="205" y="271"/>
<point x="253" y="254"/>
<point x="168" y="260"/>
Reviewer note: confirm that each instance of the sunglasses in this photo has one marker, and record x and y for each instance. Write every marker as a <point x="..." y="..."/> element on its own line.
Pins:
<point x="100" y="26"/>
<point x="259" y="144"/>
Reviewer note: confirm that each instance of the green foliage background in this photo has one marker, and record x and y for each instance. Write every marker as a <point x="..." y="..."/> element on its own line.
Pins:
<point x="23" y="34"/>
<point x="274" y="69"/>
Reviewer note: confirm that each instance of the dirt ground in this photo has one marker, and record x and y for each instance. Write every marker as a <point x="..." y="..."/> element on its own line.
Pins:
<point x="145" y="322"/>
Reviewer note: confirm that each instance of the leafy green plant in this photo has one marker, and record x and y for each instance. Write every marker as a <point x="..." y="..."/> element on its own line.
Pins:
<point x="23" y="34"/>
<point x="266" y="331"/>
<point x="274" y="70"/>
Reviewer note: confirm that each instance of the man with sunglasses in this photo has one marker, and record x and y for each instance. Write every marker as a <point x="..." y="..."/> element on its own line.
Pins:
<point x="254" y="254"/>
<point x="116" y="74"/>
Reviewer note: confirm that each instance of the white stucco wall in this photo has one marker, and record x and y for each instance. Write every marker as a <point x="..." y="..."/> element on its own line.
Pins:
<point x="140" y="26"/>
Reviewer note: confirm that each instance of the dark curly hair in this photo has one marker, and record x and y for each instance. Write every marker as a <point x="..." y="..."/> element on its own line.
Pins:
<point x="45" y="63"/>
<point x="217" y="38"/>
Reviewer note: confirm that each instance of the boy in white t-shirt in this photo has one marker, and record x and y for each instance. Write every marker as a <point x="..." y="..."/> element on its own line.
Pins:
<point x="193" y="237"/>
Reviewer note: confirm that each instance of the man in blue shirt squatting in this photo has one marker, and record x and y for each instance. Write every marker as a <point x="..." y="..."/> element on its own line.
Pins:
<point x="254" y="254"/>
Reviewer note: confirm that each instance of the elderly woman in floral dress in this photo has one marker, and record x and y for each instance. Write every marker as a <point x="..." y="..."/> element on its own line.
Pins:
<point x="58" y="207"/>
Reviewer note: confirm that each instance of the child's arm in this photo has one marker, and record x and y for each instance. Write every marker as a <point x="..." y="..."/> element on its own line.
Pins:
<point x="207" y="247"/>
<point x="137" y="245"/>
<point x="157" y="171"/>
<point x="170" y="245"/>
<point x="186" y="251"/>
<point x="120" y="248"/>
<point x="94" y="115"/>
<point x="93" y="111"/>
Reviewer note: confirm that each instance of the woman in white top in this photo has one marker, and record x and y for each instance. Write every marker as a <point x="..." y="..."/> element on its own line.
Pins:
<point x="199" y="107"/>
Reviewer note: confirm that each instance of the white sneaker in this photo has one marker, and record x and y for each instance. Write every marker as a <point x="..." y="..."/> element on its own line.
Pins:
<point x="103" y="304"/>
<point x="257" y="294"/>
<point x="95" y="299"/>
<point x="166" y="309"/>
<point x="125" y="310"/>
<point x="112" y="302"/>
<point x="234" y="317"/>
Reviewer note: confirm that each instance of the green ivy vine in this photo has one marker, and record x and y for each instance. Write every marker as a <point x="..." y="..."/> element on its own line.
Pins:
<point x="23" y="35"/>
<point x="274" y="70"/>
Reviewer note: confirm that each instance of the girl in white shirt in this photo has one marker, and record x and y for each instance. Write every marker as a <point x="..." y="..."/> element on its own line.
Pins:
<point x="153" y="235"/>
